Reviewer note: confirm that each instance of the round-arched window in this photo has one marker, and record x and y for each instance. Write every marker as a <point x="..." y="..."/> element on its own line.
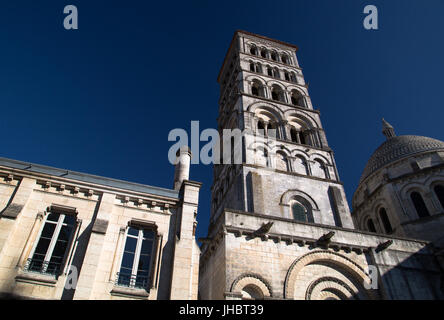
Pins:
<point x="299" y="212"/>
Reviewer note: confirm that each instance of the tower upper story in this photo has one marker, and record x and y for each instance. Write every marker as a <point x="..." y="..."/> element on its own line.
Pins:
<point x="284" y="149"/>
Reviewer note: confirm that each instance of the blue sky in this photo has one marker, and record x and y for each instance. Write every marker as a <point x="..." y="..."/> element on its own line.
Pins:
<point x="102" y="99"/>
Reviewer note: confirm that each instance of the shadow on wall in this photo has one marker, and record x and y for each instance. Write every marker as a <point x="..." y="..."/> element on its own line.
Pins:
<point x="404" y="276"/>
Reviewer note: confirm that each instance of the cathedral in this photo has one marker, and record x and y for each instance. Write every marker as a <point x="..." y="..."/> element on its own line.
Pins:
<point x="280" y="225"/>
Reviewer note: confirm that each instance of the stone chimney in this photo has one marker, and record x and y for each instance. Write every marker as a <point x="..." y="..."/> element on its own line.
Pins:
<point x="182" y="169"/>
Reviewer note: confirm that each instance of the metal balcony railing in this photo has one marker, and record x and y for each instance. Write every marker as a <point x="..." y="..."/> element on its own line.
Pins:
<point x="132" y="281"/>
<point x="41" y="266"/>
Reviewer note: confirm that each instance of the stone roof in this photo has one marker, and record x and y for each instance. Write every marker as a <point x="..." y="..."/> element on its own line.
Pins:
<point x="88" y="178"/>
<point x="399" y="147"/>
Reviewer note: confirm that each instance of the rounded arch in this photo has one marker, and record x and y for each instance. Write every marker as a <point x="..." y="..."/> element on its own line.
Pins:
<point x="275" y="148"/>
<point x="302" y="153"/>
<point x="300" y="165"/>
<point x="329" y="288"/>
<point x="368" y="223"/>
<point x="354" y="270"/>
<point x="298" y="117"/>
<point x="281" y="161"/>
<point x="298" y="98"/>
<point x="263" y="51"/>
<point x="319" y="168"/>
<point x="253" y="280"/>
<point x="320" y="157"/>
<point x="266" y="106"/>
<point x="252" y="49"/>
<point x="254" y="77"/>
<point x="290" y="194"/>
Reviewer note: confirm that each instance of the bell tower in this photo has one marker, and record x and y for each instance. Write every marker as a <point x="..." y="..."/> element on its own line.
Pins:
<point x="285" y="169"/>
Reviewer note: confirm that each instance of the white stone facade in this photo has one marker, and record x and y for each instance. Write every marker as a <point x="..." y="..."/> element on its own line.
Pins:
<point x="104" y="210"/>
<point x="280" y="225"/>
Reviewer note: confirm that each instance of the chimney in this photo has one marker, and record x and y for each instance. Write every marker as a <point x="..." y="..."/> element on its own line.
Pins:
<point x="182" y="169"/>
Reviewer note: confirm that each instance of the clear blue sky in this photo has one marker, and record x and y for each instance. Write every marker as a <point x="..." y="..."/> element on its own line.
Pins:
<point x="102" y="99"/>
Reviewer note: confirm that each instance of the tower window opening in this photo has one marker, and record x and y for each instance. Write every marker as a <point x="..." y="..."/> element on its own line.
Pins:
<point x="277" y="94"/>
<point x="439" y="191"/>
<point x="420" y="206"/>
<point x="385" y="220"/>
<point x="371" y="225"/>
<point x="284" y="59"/>
<point x="273" y="56"/>
<point x="257" y="89"/>
<point x="287" y="76"/>
<point x="263" y="53"/>
<point x="276" y="73"/>
<point x="302" y="137"/>
<point x="299" y="212"/>
<point x="272" y="130"/>
<point x="297" y="99"/>
<point x="293" y="135"/>
<point x="253" y="50"/>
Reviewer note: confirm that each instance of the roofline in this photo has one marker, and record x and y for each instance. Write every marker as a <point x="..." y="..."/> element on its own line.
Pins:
<point x="88" y="178"/>
<point x="254" y="35"/>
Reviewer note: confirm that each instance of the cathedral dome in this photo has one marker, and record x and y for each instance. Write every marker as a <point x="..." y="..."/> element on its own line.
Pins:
<point x="398" y="147"/>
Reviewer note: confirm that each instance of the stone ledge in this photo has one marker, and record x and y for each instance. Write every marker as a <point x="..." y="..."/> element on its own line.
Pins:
<point x="130" y="292"/>
<point x="100" y="226"/>
<point x="12" y="211"/>
<point x="36" y="278"/>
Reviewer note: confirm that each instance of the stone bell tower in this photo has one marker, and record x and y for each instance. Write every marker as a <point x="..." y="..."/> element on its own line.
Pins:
<point x="285" y="168"/>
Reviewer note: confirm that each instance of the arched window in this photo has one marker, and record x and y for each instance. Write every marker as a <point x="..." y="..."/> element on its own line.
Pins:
<point x="300" y="165"/>
<point x="299" y="212"/>
<point x="261" y="127"/>
<point x="420" y="206"/>
<point x="284" y="59"/>
<point x="281" y="162"/>
<point x="257" y="89"/>
<point x="269" y="71"/>
<point x="371" y="225"/>
<point x="272" y="130"/>
<point x="253" y="50"/>
<point x="439" y="191"/>
<point x="276" y="73"/>
<point x="258" y="68"/>
<point x="297" y="99"/>
<point x="302" y="137"/>
<point x="319" y="169"/>
<point x="277" y="93"/>
<point x="255" y="67"/>
<point x="294" y="135"/>
<point x="385" y="220"/>
<point x="287" y="76"/>
<point x="264" y="53"/>
<point x="273" y="56"/>
<point x="267" y="163"/>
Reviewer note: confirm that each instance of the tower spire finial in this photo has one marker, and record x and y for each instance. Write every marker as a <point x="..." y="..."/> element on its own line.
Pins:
<point x="387" y="129"/>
